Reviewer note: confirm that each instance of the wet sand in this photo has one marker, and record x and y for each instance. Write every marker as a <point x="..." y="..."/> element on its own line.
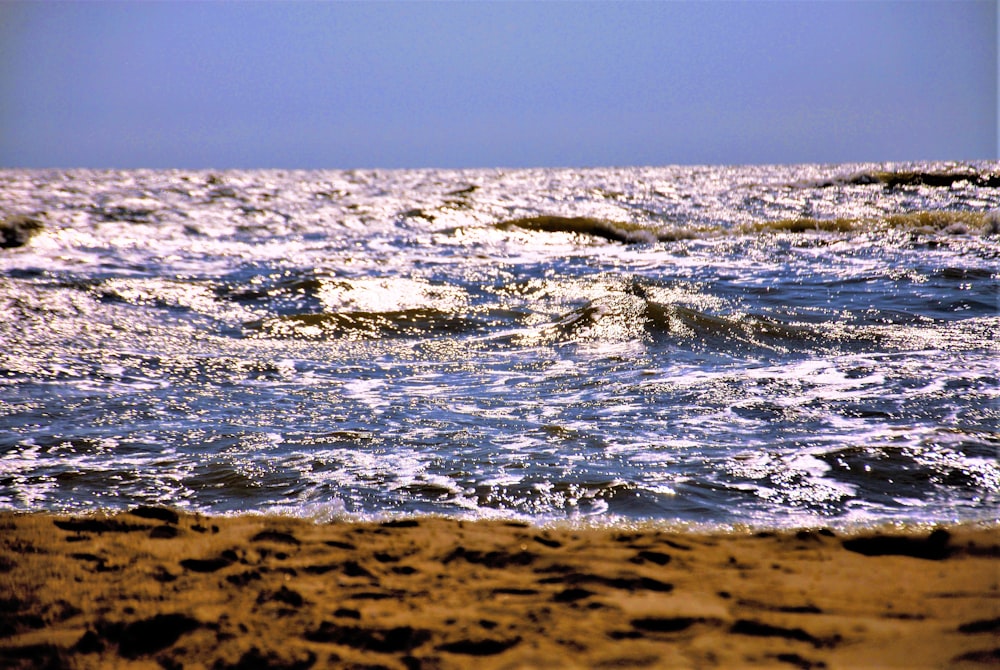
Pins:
<point x="156" y="589"/>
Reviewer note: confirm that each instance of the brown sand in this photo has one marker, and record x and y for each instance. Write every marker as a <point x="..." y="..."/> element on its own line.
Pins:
<point x="157" y="590"/>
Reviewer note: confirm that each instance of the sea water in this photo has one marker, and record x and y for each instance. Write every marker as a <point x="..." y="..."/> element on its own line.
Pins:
<point x="767" y="345"/>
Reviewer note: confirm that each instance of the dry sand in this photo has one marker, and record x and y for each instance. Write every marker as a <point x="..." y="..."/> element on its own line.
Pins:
<point x="160" y="590"/>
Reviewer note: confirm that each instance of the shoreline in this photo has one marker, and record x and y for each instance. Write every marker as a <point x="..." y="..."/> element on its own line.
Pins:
<point x="158" y="588"/>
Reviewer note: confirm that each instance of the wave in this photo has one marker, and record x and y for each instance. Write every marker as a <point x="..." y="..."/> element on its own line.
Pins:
<point x="361" y="325"/>
<point x="921" y="222"/>
<point x="584" y="225"/>
<point x="15" y="231"/>
<point x="896" y="179"/>
<point x="929" y="222"/>
<point x="632" y="314"/>
<point x="626" y="313"/>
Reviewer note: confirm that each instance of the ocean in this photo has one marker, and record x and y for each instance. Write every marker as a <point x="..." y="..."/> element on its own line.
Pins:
<point x="768" y="346"/>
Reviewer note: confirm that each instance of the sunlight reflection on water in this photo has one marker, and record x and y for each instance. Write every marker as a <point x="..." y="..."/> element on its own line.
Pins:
<point x="379" y="342"/>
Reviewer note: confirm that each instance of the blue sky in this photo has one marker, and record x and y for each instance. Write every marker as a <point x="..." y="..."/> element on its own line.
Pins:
<point x="463" y="84"/>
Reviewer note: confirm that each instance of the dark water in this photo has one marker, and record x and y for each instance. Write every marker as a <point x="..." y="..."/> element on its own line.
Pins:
<point x="770" y="345"/>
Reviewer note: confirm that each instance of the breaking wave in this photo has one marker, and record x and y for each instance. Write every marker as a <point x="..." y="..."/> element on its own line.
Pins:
<point x="923" y="222"/>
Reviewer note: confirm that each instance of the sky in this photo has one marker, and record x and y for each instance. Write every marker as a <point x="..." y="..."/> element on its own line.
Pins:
<point x="495" y="84"/>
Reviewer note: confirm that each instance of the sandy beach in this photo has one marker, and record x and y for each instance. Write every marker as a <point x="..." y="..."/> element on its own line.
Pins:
<point x="159" y="589"/>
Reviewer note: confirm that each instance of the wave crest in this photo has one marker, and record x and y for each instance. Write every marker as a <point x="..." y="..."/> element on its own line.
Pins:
<point x="360" y="325"/>
<point x="942" y="222"/>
